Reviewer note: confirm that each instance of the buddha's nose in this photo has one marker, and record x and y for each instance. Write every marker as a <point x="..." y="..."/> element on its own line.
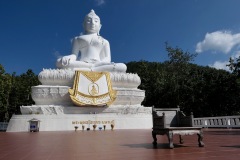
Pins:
<point x="92" y="22"/>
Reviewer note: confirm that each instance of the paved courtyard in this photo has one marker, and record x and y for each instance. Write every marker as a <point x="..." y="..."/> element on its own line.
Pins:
<point x="220" y="144"/>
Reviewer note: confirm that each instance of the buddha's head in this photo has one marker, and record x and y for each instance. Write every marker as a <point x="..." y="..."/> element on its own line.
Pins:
<point x="91" y="23"/>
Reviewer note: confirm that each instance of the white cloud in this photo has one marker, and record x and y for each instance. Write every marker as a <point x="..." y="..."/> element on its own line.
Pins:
<point x="100" y="2"/>
<point x="220" y="65"/>
<point x="222" y="41"/>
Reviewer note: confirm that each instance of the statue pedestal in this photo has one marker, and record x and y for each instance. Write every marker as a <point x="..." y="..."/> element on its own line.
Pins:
<point x="66" y="118"/>
<point x="56" y="112"/>
<point x="57" y="82"/>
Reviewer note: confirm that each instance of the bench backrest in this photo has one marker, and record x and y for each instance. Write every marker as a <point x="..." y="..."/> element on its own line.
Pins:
<point x="170" y="117"/>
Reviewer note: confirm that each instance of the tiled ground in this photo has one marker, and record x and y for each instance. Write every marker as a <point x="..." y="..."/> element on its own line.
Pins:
<point x="220" y="144"/>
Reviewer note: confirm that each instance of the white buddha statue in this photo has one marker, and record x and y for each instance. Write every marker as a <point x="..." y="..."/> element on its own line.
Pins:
<point x="90" y="51"/>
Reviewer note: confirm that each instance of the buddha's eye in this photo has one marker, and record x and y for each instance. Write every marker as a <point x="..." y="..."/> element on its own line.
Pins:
<point x="88" y="20"/>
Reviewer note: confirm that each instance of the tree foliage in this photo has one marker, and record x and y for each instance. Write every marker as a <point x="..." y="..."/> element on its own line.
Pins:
<point x="15" y="91"/>
<point x="234" y="65"/>
<point x="177" y="82"/>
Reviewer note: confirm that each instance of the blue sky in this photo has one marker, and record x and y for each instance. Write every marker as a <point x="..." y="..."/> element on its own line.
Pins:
<point x="34" y="33"/>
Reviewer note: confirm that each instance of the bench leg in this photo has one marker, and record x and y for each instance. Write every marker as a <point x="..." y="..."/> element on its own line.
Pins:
<point x="181" y="141"/>
<point x="170" y="139"/>
<point x="200" y="139"/>
<point x="154" y="138"/>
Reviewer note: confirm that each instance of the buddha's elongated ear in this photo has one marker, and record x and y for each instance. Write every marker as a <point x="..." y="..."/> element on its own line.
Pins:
<point x="100" y="26"/>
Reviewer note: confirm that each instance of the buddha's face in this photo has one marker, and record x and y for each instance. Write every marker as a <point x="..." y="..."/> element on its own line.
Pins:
<point x="92" y="24"/>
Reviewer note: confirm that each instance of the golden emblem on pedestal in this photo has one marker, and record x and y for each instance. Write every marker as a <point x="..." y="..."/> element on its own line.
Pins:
<point x="92" y="88"/>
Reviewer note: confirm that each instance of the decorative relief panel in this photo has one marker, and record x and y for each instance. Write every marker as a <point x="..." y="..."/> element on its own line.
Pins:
<point x="44" y="95"/>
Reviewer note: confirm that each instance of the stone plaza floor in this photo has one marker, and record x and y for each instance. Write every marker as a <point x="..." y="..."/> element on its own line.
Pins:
<point x="220" y="144"/>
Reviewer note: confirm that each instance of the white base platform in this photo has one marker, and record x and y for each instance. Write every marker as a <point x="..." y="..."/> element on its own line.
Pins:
<point x="122" y="117"/>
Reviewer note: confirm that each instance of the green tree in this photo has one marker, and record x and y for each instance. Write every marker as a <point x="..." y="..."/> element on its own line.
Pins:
<point x="5" y="90"/>
<point x="15" y="91"/>
<point x="178" y="70"/>
<point x="177" y="82"/>
<point x="21" y="92"/>
<point x="234" y="65"/>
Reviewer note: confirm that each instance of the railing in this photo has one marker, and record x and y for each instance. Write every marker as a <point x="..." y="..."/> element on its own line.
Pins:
<point x="3" y="126"/>
<point x="217" y="122"/>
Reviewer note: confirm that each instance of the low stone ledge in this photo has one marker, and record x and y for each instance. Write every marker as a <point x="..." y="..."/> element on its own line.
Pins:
<point x="64" y="109"/>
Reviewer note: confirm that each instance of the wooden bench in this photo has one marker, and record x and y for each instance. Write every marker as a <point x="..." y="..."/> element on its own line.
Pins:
<point x="171" y="121"/>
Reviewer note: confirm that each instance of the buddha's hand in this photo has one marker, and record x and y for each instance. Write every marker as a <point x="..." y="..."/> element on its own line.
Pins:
<point x="67" y="59"/>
